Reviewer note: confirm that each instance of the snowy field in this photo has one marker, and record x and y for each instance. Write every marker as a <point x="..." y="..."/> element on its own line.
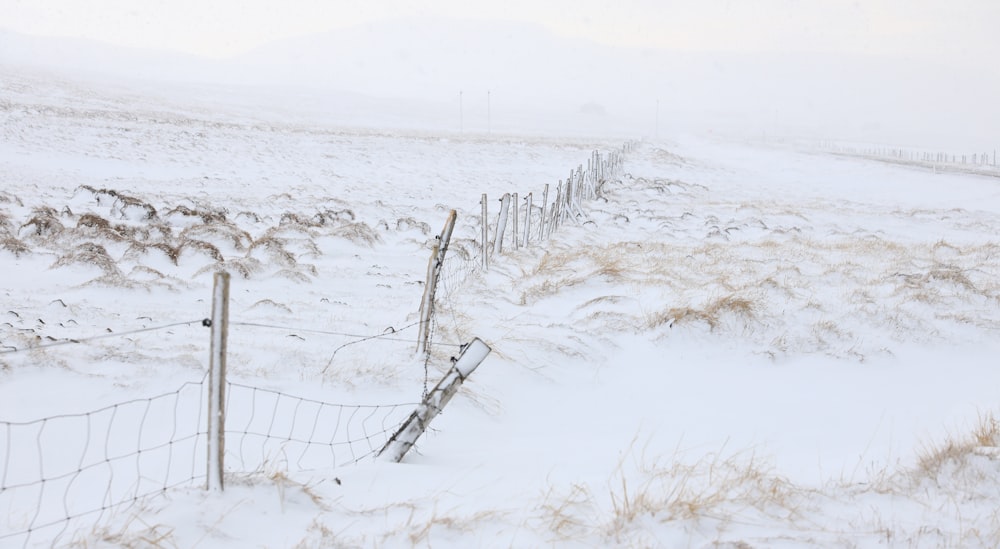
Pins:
<point x="736" y="346"/>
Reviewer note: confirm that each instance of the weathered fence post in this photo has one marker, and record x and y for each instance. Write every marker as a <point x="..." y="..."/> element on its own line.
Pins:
<point x="557" y="208"/>
<point x="430" y="287"/>
<point x="527" y="218"/>
<point x="542" y="221"/>
<point x="515" y="206"/>
<point x="486" y="235"/>
<point x="472" y="356"/>
<point x="217" y="382"/>
<point x="501" y="224"/>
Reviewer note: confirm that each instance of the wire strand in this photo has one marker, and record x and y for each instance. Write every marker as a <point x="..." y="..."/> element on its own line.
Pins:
<point x="82" y="340"/>
<point x="360" y="337"/>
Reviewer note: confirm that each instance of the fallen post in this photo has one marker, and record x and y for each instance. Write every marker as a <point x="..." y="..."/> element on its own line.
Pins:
<point x="400" y="443"/>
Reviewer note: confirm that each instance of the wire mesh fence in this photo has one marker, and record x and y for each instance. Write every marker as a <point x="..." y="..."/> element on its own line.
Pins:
<point x="69" y="472"/>
<point x="57" y="470"/>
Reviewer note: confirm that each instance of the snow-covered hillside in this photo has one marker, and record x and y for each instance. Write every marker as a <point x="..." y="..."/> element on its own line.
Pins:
<point x="735" y="346"/>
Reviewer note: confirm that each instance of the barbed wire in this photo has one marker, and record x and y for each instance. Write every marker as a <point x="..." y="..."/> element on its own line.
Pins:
<point x="82" y="340"/>
<point x="386" y="336"/>
<point x="364" y="339"/>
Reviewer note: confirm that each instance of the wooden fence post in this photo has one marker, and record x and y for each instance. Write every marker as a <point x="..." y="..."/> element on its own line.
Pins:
<point x="217" y="382"/>
<point x="430" y="287"/>
<point x="515" y="206"/>
<point x="486" y="237"/>
<point x="501" y="224"/>
<point x="542" y="221"/>
<point x="527" y="218"/>
<point x="472" y="356"/>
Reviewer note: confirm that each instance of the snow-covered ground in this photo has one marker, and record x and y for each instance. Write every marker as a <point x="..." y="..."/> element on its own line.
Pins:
<point x="737" y="346"/>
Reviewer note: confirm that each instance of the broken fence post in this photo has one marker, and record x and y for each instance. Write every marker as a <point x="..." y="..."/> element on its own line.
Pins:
<point x="472" y="356"/>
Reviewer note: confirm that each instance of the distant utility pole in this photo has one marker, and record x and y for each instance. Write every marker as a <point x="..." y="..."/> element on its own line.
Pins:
<point x="489" y="113"/>
<point x="461" y="114"/>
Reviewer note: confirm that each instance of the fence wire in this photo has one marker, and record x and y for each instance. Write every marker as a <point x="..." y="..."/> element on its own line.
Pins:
<point x="60" y="469"/>
<point x="268" y="429"/>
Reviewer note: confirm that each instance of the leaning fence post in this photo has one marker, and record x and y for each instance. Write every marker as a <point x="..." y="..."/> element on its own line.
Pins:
<point x="472" y="355"/>
<point x="217" y="382"/>
<point x="430" y="287"/>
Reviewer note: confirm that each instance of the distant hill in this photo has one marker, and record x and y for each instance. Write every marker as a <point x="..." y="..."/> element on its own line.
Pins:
<point x="529" y="72"/>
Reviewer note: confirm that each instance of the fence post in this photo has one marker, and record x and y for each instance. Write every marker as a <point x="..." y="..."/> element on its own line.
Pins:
<point x="486" y="236"/>
<point x="527" y="218"/>
<point x="430" y="287"/>
<point x="501" y="224"/>
<point x="557" y="208"/>
<point x="217" y="382"/>
<point x="472" y="355"/>
<point x="542" y="221"/>
<point x="514" y="207"/>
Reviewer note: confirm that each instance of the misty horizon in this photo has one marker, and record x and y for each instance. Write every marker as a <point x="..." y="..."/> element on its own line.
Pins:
<point x="526" y="72"/>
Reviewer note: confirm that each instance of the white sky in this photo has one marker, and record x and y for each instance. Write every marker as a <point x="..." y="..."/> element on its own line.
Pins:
<point x="223" y="27"/>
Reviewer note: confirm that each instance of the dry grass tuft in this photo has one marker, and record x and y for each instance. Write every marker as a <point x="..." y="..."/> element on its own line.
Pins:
<point x="711" y="487"/>
<point x="10" y="198"/>
<point x="93" y="221"/>
<point x="90" y="253"/>
<point x="293" y="275"/>
<point x="121" y="204"/>
<point x="14" y="246"/>
<point x="332" y="217"/>
<point x="200" y="246"/>
<point x="359" y="233"/>
<point x="273" y="304"/>
<point x="547" y="288"/>
<point x="208" y="216"/>
<point x="44" y="222"/>
<point x="932" y="460"/>
<point x="711" y="314"/>
<point x="408" y="223"/>
<point x="96" y="226"/>
<point x="296" y="220"/>
<point x="6" y="225"/>
<point x="244" y="267"/>
<point x="569" y="516"/>
<point x="274" y="249"/>
<point x="228" y="232"/>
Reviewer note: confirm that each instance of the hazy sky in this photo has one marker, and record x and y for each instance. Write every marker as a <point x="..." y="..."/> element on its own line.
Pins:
<point x="223" y="27"/>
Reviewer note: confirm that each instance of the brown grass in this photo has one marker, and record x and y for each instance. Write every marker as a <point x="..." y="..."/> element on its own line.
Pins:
<point x="274" y="249"/>
<point x="208" y="216"/>
<point x="90" y="253"/>
<point x="932" y="459"/>
<point x="9" y="198"/>
<point x="44" y="222"/>
<point x="14" y="246"/>
<point x="359" y="233"/>
<point x="244" y="267"/>
<point x="224" y="230"/>
<point x="711" y="314"/>
<point x="408" y="223"/>
<point x="200" y="246"/>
